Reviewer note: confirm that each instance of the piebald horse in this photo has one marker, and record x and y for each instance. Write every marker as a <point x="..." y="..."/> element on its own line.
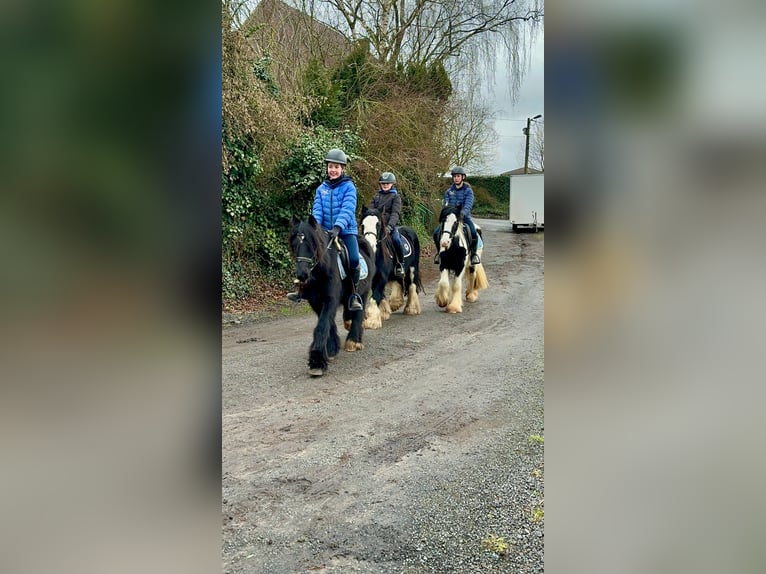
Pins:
<point x="379" y="308"/>
<point x="455" y="261"/>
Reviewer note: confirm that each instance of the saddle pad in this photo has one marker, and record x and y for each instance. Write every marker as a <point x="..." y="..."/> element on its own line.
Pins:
<point x="479" y="243"/>
<point x="362" y="268"/>
<point x="406" y="246"/>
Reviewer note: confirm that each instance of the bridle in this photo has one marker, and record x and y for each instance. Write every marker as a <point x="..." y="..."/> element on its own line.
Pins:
<point x="313" y="261"/>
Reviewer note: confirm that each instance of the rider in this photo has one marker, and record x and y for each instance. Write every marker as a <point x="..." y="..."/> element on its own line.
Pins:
<point x="335" y="210"/>
<point x="460" y="193"/>
<point x="388" y="202"/>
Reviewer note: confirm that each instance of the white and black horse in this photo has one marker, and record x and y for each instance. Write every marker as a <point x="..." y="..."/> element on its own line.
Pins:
<point x="379" y="308"/>
<point x="455" y="261"/>
<point x="320" y="283"/>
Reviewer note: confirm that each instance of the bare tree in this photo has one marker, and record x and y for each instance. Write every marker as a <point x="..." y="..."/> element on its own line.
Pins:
<point x="426" y="31"/>
<point x="537" y="146"/>
<point x="468" y="131"/>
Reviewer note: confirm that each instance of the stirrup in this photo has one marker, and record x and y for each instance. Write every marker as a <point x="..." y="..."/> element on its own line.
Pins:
<point x="355" y="303"/>
<point x="294" y="297"/>
<point x="399" y="270"/>
<point x="475" y="260"/>
<point x="437" y="257"/>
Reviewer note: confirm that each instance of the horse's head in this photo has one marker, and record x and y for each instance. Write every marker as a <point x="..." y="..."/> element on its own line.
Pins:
<point x="372" y="226"/>
<point x="451" y="220"/>
<point x="306" y="246"/>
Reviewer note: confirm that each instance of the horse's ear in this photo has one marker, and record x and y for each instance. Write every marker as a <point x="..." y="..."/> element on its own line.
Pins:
<point x="312" y="221"/>
<point x="295" y="220"/>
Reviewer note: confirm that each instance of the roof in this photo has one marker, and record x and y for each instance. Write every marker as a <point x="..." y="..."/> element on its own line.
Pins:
<point x="520" y="171"/>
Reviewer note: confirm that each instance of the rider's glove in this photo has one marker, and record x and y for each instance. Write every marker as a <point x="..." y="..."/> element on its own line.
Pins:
<point x="334" y="232"/>
<point x="390" y="228"/>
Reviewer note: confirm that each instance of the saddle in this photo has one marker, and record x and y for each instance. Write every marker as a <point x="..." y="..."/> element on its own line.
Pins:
<point x="406" y="245"/>
<point x="344" y="264"/>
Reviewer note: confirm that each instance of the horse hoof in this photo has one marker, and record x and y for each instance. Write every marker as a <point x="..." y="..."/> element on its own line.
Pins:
<point x="352" y="346"/>
<point x="316" y="372"/>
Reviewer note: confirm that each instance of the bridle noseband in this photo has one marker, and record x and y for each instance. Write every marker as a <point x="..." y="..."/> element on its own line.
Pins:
<point x="313" y="261"/>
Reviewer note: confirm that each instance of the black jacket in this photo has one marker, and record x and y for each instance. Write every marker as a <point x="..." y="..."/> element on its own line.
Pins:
<point x="390" y="205"/>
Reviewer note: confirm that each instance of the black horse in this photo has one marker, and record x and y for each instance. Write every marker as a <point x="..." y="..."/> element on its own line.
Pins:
<point x="378" y="308"/>
<point x="320" y="283"/>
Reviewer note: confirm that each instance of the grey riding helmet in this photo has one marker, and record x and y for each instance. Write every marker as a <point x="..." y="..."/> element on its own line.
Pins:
<point x="387" y="177"/>
<point x="336" y="155"/>
<point x="458" y="170"/>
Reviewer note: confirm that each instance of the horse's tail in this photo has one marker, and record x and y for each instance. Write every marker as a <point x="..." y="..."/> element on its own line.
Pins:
<point x="415" y="240"/>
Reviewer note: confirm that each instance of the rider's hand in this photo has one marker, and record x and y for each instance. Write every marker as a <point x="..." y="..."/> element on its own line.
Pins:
<point x="390" y="228"/>
<point x="334" y="232"/>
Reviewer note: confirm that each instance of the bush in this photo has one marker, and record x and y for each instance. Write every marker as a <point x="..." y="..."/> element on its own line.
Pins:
<point x="491" y="196"/>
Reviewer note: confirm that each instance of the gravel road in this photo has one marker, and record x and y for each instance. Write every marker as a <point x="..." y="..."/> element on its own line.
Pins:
<point x="405" y="456"/>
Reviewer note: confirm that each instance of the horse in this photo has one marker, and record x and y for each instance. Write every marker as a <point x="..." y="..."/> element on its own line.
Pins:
<point x="320" y="283"/>
<point x="379" y="308"/>
<point x="454" y="261"/>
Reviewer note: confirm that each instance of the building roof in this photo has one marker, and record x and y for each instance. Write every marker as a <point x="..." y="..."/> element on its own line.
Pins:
<point x="520" y="171"/>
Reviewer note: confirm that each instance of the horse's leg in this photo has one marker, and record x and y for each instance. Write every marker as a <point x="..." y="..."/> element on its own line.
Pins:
<point x="413" y="303"/>
<point x="443" y="290"/>
<point x="456" y="295"/>
<point x="471" y="293"/>
<point x="385" y="310"/>
<point x="397" y="297"/>
<point x="354" y="337"/>
<point x="333" y="341"/>
<point x="379" y="298"/>
<point x="372" y="319"/>
<point x="319" y="346"/>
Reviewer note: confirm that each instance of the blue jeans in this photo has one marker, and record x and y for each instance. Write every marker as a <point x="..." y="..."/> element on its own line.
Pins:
<point x="396" y="236"/>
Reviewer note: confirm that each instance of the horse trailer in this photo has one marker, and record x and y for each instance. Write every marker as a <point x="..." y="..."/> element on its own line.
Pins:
<point x="527" y="201"/>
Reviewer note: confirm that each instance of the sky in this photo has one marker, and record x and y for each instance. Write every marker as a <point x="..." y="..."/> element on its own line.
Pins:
<point x="511" y="118"/>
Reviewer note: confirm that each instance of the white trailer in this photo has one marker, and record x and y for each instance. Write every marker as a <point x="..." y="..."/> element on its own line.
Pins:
<point x="527" y="201"/>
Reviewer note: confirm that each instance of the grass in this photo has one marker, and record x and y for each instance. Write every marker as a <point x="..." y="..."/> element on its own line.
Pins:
<point x="536" y="438"/>
<point x="496" y="544"/>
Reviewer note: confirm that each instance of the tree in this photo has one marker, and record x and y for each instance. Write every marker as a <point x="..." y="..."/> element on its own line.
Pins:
<point x="464" y="37"/>
<point x="537" y="146"/>
<point x="423" y="31"/>
<point x="468" y="131"/>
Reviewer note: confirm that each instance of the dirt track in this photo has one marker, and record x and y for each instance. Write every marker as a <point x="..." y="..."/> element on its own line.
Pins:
<point x="404" y="456"/>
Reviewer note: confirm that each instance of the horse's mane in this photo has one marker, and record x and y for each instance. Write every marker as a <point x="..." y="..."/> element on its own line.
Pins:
<point x="448" y="209"/>
<point x="374" y="211"/>
<point x="370" y="211"/>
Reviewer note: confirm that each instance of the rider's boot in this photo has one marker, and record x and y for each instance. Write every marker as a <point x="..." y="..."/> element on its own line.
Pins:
<point x="398" y="257"/>
<point x="355" y="301"/>
<point x="295" y="296"/>
<point x="475" y="259"/>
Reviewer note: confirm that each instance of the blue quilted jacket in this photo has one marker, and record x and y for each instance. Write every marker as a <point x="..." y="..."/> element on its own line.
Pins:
<point x="462" y="196"/>
<point x="335" y="204"/>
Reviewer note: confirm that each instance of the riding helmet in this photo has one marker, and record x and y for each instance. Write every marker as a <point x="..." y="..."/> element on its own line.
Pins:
<point x="336" y="155"/>
<point x="387" y="177"/>
<point x="458" y="170"/>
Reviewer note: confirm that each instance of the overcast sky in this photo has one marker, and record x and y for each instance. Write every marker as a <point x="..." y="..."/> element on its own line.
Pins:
<point x="510" y="118"/>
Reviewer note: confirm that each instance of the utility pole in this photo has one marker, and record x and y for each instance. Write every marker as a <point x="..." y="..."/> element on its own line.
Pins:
<point x="525" y="131"/>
